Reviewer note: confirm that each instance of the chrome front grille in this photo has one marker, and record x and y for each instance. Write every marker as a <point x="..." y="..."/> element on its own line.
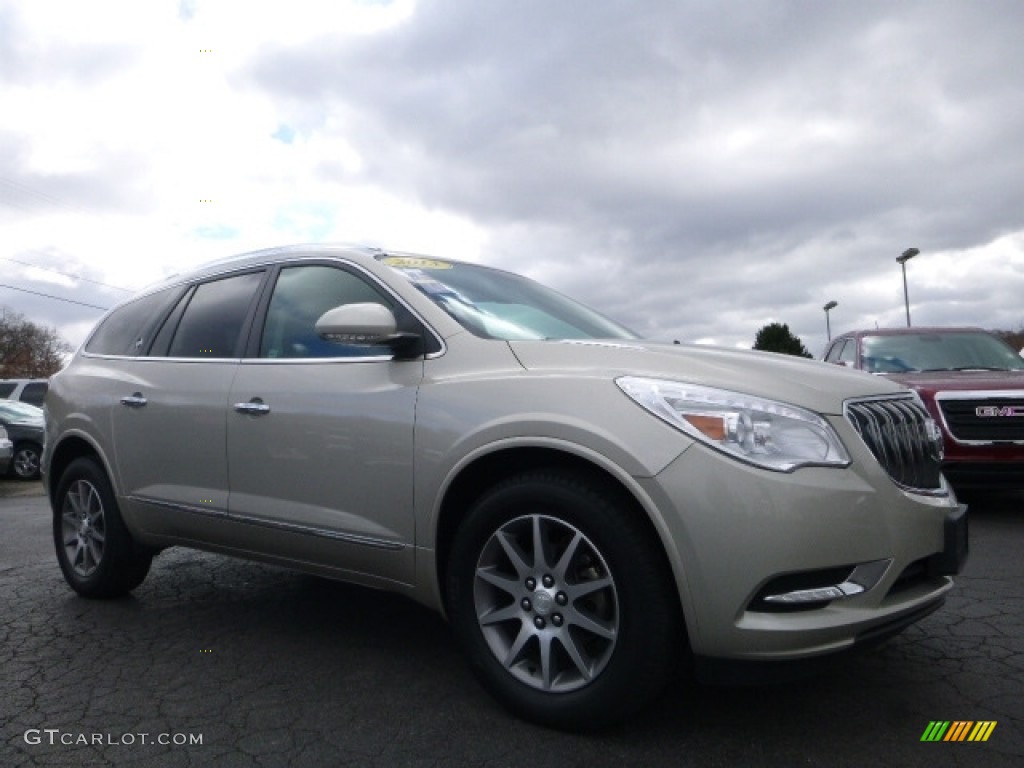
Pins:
<point x="903" y="437"/>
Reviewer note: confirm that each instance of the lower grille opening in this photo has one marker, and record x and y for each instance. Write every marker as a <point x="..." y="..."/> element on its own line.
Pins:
<point x="795" y="582"/>
<point x="914" y="574"/>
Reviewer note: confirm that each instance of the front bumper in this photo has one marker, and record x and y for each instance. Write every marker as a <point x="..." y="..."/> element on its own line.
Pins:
<point x="745" y="672"/>
<point x="738" y="533"/>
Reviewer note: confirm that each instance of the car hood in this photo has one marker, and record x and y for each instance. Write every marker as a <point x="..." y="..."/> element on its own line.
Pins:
<point x="962" y="381"/>
<point x="807" y="383"/>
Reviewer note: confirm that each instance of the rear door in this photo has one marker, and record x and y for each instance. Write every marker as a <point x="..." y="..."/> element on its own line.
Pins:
<point x="169" y="417"/>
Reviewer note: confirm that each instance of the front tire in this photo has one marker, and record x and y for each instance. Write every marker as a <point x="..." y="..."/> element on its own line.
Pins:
<point x="94" y="548"/>
<point x="563" y="601"/>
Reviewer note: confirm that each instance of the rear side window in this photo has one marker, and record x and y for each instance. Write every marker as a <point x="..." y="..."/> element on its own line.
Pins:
<point x="34" y="392"/>
<point x="212" y="323"/>
<point x="6" y="388"/>
<point x="126" y="330"/>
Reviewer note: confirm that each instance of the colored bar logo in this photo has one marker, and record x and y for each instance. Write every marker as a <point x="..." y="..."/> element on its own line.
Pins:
<point x="958" y="730"/>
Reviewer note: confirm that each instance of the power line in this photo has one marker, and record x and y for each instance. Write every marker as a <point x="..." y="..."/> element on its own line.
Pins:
<point x="43" y="196"/>
<point x="65" y="274"/>
<point x="50" y="296"/>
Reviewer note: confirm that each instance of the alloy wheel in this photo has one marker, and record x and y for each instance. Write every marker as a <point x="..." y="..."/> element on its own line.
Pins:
<point x="84" y="528"/>
<point x="546" y="603"/>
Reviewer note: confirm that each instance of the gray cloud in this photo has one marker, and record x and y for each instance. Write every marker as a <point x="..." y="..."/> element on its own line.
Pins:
<point x="116" y="182"/>
<point x="695" y="170"/>
<point x="25" y="61"/>
<point x="697" y="149"/>
<point x="597" y="115"/>
<point x="53" y="303"/>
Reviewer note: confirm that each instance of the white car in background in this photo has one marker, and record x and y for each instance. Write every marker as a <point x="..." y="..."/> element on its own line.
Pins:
<point x="31" y="391"/>
<point x="588" y="509"/>
<point x="6" y="451"/>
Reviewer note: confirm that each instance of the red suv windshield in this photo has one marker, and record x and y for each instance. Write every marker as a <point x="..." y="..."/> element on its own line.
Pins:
<point x="946" y="351"/>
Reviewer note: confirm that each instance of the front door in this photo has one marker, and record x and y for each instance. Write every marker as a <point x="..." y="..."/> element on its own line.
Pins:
<point x="320" y="436"/>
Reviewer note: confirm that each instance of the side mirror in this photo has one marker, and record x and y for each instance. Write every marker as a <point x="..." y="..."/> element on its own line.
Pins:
<point x="368" y="324"/>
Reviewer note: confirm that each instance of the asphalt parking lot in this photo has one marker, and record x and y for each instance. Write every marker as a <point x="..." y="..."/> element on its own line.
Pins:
<point x="217" y="662"/>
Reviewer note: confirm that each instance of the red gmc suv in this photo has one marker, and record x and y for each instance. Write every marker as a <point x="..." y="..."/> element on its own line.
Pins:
<point x="972" y="384"/>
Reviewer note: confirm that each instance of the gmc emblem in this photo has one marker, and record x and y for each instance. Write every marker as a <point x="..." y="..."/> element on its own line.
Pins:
<point x="991" y="411"/>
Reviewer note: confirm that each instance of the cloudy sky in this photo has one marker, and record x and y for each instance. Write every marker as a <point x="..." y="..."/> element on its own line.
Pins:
<point x="694" y="169"/>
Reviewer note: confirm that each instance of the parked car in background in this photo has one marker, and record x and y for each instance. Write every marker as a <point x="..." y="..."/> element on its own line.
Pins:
<point x="971" y="382"/>
<point x="24" y="425"/>
<point x="32" y="391"/>
<point x="6" y="451"/>
<point x="588" y="509"/>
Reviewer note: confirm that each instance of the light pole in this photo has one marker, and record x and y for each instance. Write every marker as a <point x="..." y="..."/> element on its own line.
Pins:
<point x="828" y="327"/>
<point x="906" y="256"/>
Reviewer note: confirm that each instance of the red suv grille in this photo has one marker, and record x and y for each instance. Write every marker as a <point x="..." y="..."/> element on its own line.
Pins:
<point x="984" y="419"/>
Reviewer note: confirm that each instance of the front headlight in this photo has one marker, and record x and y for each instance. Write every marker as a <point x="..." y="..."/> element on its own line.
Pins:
<point x="762" y="432"/>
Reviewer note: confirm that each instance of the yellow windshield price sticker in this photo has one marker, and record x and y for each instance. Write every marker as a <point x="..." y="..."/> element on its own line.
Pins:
<point x="414" y="262"/>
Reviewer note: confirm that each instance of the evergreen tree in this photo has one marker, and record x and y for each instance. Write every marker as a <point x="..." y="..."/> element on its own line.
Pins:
<point x="776" y="337"/>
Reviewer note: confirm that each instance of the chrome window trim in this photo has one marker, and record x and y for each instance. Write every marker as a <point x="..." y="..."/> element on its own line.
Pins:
<point x="269" y="264"/>
<point x="138" y="358"/>
<point x="318" y="360"/>
<point x="266" y="360"/>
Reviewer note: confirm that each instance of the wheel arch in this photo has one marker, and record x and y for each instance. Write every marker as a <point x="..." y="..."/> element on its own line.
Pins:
<point x="71" y="447"/>
<point x="484" y="471"/>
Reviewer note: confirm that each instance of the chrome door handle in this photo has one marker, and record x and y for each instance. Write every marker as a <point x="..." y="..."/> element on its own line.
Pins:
<point x="254" y="407"/>
<point x="136" y="400"/>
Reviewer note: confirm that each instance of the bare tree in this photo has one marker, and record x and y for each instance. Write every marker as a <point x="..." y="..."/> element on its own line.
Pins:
<point x="1014" y="338"/>
<point x="27" y="350"/>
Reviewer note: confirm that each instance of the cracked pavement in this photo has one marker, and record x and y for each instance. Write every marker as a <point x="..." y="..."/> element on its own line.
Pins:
<point x="273" y="668"/>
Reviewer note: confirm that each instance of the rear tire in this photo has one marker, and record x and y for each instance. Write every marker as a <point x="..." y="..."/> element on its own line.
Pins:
<point x="94" y="548"/>
<point x="563" y="601"/>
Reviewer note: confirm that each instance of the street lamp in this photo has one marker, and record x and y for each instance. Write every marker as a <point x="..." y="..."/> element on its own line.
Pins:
<point x="906" y="256"/>
<point x="828" y="327"/>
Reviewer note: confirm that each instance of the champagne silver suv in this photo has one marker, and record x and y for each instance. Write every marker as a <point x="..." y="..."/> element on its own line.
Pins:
<point x="586" y="508"/>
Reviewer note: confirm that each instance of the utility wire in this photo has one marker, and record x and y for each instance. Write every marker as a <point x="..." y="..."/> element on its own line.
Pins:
<point x="46" y="198"/>
<point x="50" y="296"/>
<point x="65" y="274"/>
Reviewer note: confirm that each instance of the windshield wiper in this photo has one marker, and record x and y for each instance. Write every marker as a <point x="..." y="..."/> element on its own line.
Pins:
<point x="981" y="368"/>
<point x="965" y="368"/>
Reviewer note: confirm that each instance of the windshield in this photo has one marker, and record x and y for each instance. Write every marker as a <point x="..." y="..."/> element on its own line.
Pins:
<point x="946" y="351"/>
<point x="501" y="305"/>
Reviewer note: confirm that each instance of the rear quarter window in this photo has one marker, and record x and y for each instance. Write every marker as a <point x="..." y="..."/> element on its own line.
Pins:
<point x="34" y="393"/>
<point x="127" y="329"/>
